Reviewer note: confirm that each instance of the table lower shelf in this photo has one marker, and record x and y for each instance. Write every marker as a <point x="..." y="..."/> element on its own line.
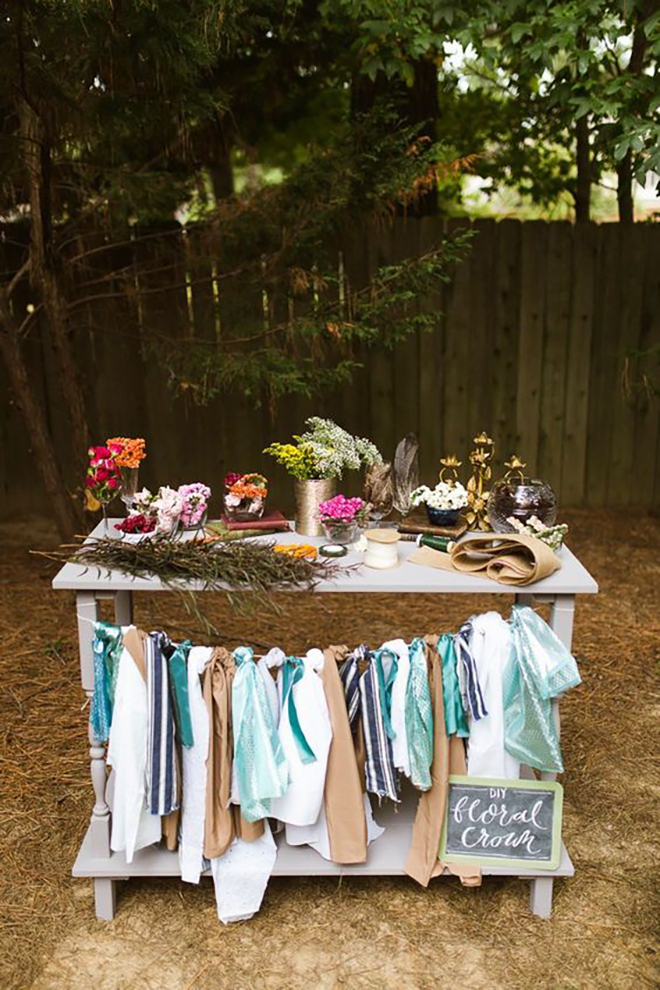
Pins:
<point x="386" y="857"/>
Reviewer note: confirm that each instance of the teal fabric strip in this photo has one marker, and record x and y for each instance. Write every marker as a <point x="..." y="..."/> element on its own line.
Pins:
<point x="419" y="717"/>
<point x="455" y="718"/>
<point x="385" y="682"/>
<point x="261" y="767"/>
<point x="292" y="671"/>
<point x="107" y="647"/>
<point x="178" y="668"/>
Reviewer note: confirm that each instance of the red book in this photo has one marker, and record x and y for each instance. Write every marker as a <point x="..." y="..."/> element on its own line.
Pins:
<point x="269" y="520"/>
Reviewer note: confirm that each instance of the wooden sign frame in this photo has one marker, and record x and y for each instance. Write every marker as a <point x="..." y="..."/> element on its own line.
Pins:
<point x="482" y="858"/>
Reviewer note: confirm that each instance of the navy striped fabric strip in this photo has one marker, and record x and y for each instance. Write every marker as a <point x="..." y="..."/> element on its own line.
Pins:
<point x="162" y="775"/>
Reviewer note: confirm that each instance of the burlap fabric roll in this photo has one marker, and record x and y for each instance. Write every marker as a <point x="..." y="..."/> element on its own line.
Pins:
<point x="514" y="558"/>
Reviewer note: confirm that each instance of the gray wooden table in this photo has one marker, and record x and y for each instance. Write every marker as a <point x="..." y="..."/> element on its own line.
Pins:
<point x="388" y="854"/>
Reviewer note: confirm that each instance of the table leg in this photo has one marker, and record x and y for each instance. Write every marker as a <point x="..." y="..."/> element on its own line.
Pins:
<point x="561" y="622"/>
<point x="541" y="897"/>
<point x="105" y="898"/>
<point x="123" y="608"/>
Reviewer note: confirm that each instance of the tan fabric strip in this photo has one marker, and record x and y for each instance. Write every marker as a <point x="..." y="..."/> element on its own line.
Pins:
<point x="427" y="827"/>
<point x="219" y="825"/>
<point x="134" y="643"/>
<point x="223" y="822"/>
<point x="170" y="829"/>
<point x="344" y="804"/>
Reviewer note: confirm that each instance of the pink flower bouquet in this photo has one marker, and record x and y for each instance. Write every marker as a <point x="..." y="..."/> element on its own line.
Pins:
<point x="341" y="517"/>
<point x="195" y="504"/>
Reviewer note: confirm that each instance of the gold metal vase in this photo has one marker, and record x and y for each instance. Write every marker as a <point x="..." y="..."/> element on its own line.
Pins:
<point x="309" y="495"/>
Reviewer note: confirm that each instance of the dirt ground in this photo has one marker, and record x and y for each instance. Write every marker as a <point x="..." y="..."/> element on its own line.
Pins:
<point x="320" y="933"/>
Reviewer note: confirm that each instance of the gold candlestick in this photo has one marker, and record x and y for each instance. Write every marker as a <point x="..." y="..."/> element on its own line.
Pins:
<point x="450" y="463"/>
<point x="477" y="486"/>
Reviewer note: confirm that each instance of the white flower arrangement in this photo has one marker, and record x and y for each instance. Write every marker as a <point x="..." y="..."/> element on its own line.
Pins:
<point x="443" y="496"/>
<point x="335" y="450"/>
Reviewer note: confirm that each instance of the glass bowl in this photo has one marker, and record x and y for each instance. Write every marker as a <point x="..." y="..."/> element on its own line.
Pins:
<point x="520" y="499"/>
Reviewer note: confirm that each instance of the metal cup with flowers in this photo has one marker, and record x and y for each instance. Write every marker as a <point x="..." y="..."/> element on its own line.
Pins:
<point x="443" y="503"/>
<point x="342" y="517"/>
<point x="245" y="496"/>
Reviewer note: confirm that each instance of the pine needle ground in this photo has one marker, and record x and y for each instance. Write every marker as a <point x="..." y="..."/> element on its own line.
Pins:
<point x="321" y="933"/>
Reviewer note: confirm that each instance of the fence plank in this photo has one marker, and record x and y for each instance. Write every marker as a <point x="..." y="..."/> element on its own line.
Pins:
<point x="406" y="353"/>
<point x="621" y="483"/>
<point x="431" y="367"/>
<point x="578" y="364"/>
<point x="459" y="383"/>
<point x="379" y="249"/>
<point x="504" y="352"/>
<point x="555" y="345"/>
<point x="603" y="385"/>
<point x="646" y="446"/>
<point x="530" y="343"/>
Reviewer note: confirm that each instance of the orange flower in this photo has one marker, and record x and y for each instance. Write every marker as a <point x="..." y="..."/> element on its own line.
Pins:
<point x="132" y="451"/>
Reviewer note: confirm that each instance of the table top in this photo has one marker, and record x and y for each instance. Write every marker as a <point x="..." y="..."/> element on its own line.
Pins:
<point x="572" y="578"/>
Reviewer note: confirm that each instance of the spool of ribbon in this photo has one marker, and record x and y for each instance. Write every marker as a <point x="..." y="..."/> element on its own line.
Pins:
<point x="382" y="549"/>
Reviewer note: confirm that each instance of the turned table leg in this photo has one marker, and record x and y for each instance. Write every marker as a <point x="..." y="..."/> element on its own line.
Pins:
<point x="104" y="888"/>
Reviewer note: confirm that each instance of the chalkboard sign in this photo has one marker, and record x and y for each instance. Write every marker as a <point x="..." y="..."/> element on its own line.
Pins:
<point x="491" y="821"/>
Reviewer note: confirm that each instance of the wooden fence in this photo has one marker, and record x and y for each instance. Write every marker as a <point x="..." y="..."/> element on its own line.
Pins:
<point x="549" y="341"/>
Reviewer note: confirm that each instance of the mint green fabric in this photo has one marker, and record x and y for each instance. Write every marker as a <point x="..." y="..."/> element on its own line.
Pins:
<point x="261" y="767"/>
<point x="539" y="668"/>
<point x="419" y="717"/>
<point x="178" y="668"/>
<point x="292" y="671"/>
<point x="455" y="718"/>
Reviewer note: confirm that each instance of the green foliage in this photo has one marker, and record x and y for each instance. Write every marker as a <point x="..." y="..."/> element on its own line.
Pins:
<point x="571" y="59"/>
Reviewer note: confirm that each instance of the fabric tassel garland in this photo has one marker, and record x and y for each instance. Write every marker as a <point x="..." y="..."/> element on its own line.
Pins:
<point x="261" y="768"/>
<point x="419" y="717"/>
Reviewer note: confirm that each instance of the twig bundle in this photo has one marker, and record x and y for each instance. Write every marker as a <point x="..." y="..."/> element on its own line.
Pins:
<point x="232" y="567"/>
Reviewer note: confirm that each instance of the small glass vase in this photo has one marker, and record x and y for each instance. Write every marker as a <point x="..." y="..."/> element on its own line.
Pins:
<point x="105" y="501"/>
<point x="309" y="494"/>
<point x="341" y="530"/>
<point x="129" y="486"/>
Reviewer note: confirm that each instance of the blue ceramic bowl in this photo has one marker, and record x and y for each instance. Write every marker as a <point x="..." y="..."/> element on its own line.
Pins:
<point x="442" y="517"/>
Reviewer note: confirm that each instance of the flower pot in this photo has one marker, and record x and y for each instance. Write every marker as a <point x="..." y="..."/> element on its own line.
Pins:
<point x="442" y="517"/>
<point x="309" y="495"/>
<point x="341" y="530"/>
